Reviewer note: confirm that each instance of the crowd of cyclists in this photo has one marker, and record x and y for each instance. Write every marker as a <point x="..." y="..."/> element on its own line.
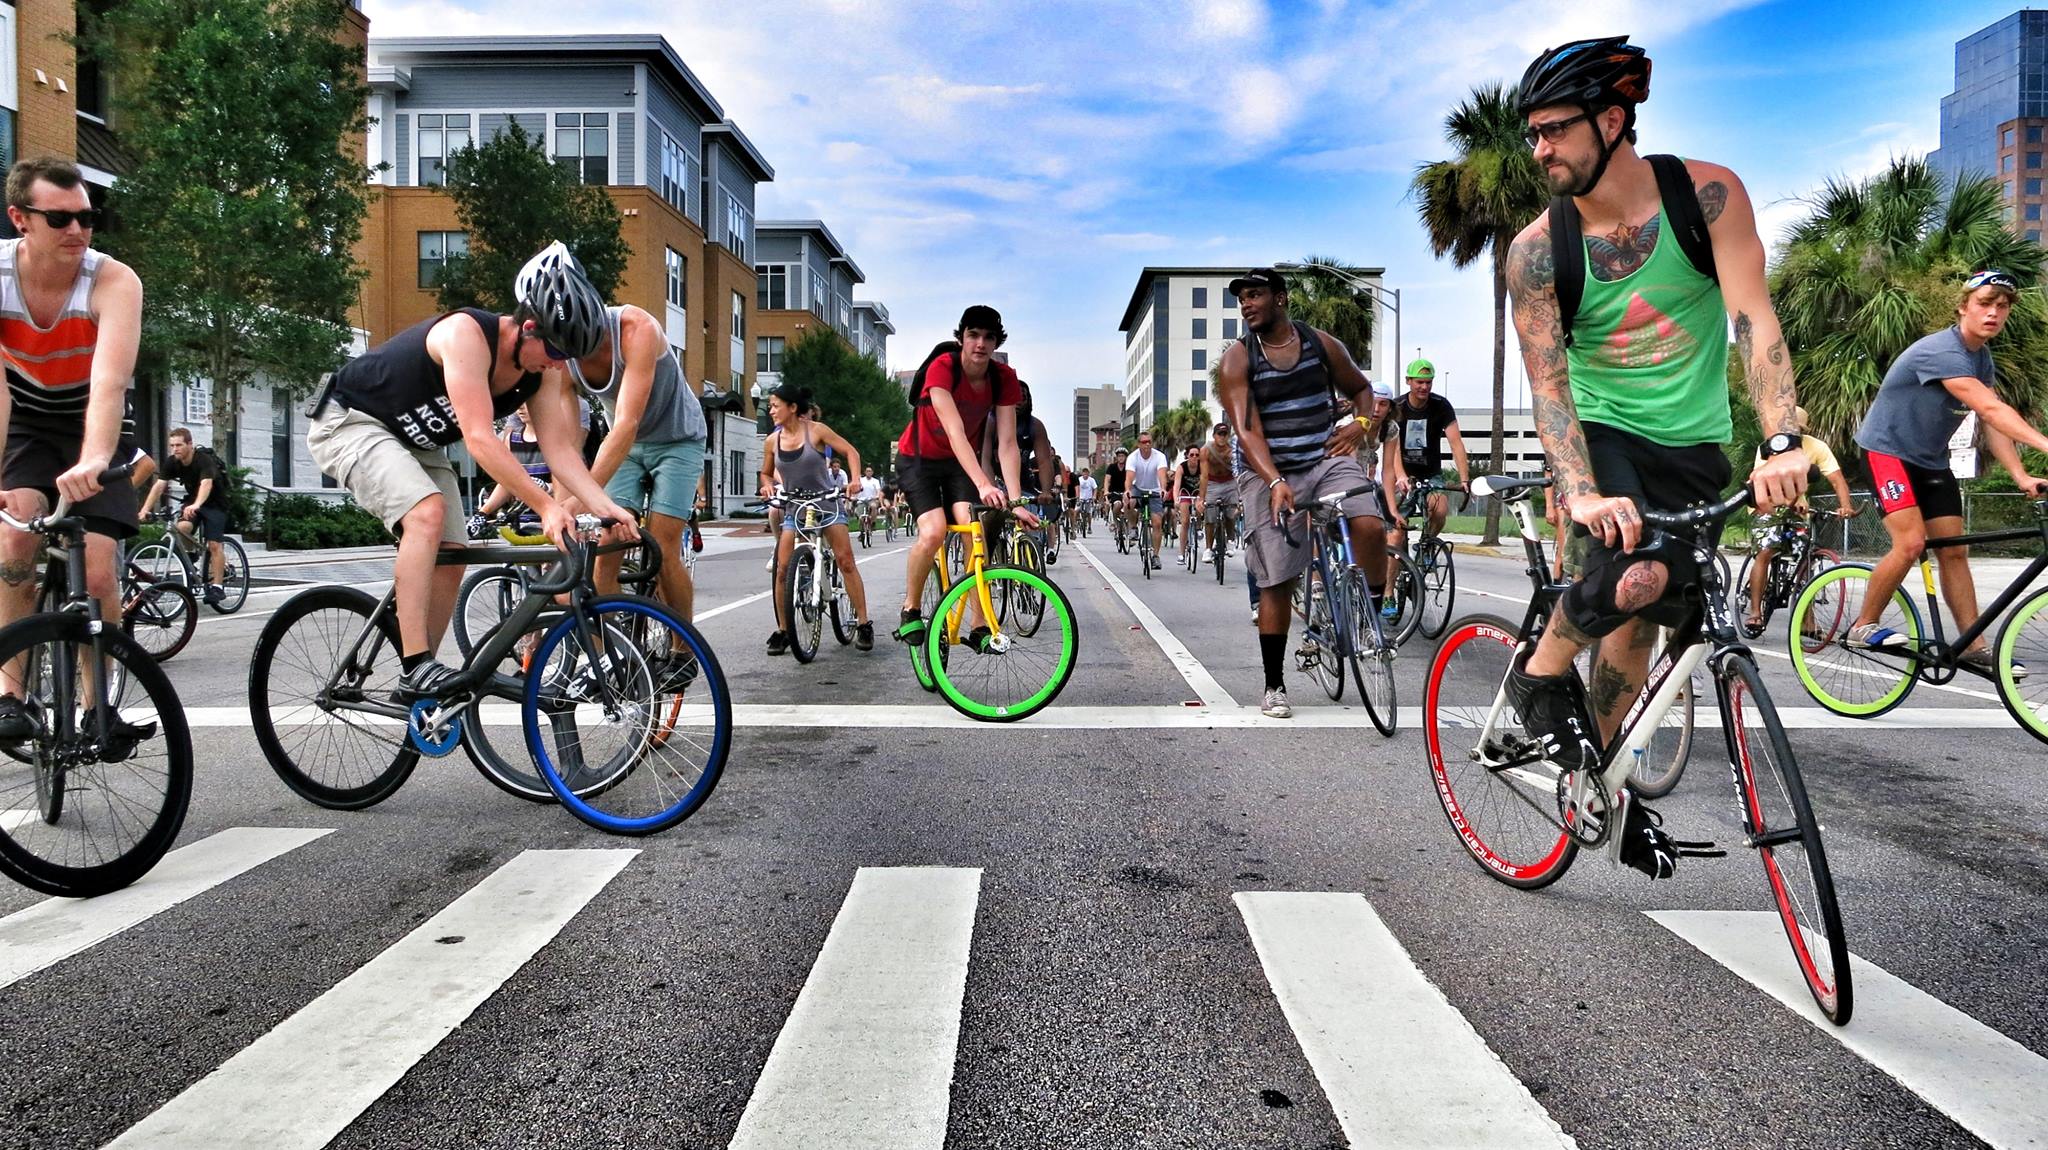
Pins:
<point x="1636" y="252"/>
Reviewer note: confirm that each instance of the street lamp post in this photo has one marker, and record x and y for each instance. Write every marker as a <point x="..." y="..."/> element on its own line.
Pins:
<point x="1379" y="296"/>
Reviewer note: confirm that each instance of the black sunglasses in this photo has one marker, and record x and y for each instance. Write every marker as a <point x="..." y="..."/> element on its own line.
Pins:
<point x="61" y="219"/>
<point x="1554" y="130"/>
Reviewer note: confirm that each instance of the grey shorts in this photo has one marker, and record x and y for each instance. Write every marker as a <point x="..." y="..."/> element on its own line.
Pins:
<point x="1267" y="554"/>
<point x="387" y="477"/>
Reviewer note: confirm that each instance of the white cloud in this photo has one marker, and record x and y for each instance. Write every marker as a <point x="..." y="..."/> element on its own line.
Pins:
<point x="1228" y="19"/>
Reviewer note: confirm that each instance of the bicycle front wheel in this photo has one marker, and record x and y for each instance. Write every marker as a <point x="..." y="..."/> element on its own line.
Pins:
<point x="87" y="814"/>
<point x="652" y="716"/>
<point x="2022" y="646"/>
<point x="1850" y="679"/>
<point x="161" y="617"/>
<point x="1781" y="828"/>
<point x="1372" y="661"/>
<point x="1439" y="587"/>
<point x="1318" y="651"/>
<point x="1405" y="592"/>
<point x="1502" y="808"/>
<point x="1026" y="606"/>
<point x="802" y="609"/>
<point x="1007" y="675"/>
<point x="320" y="699"/>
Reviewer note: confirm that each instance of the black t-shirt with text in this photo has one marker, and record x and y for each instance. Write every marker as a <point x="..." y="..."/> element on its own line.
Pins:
<point x="1421" y="434"/>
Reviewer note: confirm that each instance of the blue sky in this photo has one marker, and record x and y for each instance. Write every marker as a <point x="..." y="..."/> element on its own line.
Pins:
<point x="1035" y="156"/>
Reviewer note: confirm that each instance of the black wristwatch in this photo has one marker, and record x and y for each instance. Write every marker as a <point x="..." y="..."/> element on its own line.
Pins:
<point x="1780" y="443"/>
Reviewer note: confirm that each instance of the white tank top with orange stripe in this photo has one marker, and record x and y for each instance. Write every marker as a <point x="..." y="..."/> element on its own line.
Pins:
<point x="49" y="369"/>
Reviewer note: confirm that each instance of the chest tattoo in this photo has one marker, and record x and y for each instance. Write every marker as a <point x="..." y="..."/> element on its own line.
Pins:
<point x="1620" y="252"/>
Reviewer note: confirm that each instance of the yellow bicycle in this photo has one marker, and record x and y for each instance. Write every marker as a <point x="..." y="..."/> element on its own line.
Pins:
<point x="970" y="649"/>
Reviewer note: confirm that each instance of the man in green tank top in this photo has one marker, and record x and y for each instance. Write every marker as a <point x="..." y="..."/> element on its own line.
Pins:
<point x="1629" y="391"/>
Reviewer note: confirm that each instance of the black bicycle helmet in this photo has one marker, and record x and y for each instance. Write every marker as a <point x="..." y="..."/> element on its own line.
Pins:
<point x="1591" y="74"/>
<point x="567" y="312"/>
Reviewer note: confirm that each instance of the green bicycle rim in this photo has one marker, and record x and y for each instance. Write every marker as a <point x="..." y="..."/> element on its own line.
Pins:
<point x="1063" y="666"/>
<point x="2027" y="715"/>
<point x="1882" y="703"/>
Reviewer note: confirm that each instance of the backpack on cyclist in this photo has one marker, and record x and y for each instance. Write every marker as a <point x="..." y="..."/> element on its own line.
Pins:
<point x="1681" y="208"/>
<point x="920" y="394"/>
<point x="224" y="487"/>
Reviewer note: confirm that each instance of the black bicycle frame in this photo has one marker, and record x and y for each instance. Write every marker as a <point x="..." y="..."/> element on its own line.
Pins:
<point x="1943" y="653"/>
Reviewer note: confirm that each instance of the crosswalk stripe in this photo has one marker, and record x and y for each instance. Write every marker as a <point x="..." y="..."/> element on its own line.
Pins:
<point x="12" y="819"/>
<point x="866" y="1057"/>
<point x="300" y="1084"/>
<point x="1400" y="1066"/>
<point x="52" y="931"/>
<point x="1992" y="1086"/>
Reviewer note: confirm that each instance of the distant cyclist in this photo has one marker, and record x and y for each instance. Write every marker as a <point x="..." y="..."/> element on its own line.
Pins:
<point x="1216" y="497"/>
<point x="1148" y="487"/>
<point x="1824" y="461"/>
<point x="1418" y="426"/>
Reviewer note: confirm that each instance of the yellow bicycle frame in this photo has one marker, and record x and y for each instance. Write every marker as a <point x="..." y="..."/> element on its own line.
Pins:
<point x="977" y="563"/>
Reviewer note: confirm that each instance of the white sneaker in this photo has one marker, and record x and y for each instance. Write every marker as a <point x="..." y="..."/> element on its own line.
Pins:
<point x="1275" y="706"/>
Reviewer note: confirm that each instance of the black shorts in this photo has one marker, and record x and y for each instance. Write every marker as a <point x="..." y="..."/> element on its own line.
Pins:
<point x="36" y="456"/>
<point x="931" y="484"/>
<point x="1656" y="478"/>
<point x="211" y="524"/>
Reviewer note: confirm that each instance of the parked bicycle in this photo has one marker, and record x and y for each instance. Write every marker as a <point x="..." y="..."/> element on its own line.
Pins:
<point x="1523" y="820"/>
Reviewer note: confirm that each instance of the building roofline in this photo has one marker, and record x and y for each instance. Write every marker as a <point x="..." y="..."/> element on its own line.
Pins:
<point x="832" y="244"/>
<point x="1146" y="276"/>
<point x="756" y="162"/>
<point x="645" y="45"/>
<point x="880" y="313"/>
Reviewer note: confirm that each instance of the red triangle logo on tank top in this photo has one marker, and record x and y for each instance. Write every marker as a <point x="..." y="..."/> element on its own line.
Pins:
<point x="1645" y="337"/>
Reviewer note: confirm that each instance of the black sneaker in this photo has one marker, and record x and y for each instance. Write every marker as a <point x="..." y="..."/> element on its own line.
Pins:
<point x="427" y="680"/>
<point x="864" y="637"/>
<point x="1553" y="711"/>
<point x="778" y="643"/>
<point x="122" y="736"/>
<point x="910" y="627"/>
<point x="674" y="673"/>
<point x="15" y="721"/>
<point x="1644" y="845"/>
<point x="215" y="593"/>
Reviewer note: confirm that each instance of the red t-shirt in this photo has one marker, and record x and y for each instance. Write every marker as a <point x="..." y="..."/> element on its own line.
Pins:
<point x="925" y="438"/>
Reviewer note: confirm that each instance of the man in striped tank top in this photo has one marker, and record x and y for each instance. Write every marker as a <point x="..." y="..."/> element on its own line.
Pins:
<point x="1278" y="389"/>
<point x="70" y="321"/>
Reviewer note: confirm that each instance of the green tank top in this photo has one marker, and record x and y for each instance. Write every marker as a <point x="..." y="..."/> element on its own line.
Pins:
<point x="1650" y="351"/>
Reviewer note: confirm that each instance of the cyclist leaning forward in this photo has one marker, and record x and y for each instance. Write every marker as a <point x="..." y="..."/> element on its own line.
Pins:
<point x="385" y="420"/>
<point x="799" y="457"/>
<point x="655" y="448"/>
<point x="938" y="461"/>
<point x="1630" y="395"/>
<point x="70" y="322"/>
<point x="1926" y="393"/>
<point x="1278" y="388"/>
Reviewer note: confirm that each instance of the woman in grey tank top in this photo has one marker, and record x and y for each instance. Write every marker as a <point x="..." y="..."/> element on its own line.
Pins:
<point x="797" y="454"/>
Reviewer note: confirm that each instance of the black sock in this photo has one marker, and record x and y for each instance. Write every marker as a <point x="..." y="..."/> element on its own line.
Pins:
<point x="1273" y="653"/>
<point x="407" y="662"/>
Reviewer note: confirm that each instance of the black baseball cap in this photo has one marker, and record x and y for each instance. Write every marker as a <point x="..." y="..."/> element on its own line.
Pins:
<point x="1266" y="278"/>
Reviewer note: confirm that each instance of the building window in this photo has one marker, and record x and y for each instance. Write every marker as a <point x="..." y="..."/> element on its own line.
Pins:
<point x="768" y="353"/>
<point x="736" y="473"/>
<point x="2033" y="211"/>
<point x="679" y="177"/>
<point x="678" y="278"/>
<point x="199" y="402"/>
<point x="739" y="341"/>
<point x="2033" y="133"/>
<point x="1201" y="328"/>
<point x="1201" y="359"/>
<point x="440" y="137"/>
<point x="1201" y="297"/>
<point x="583" y="145"/>
<point x="1230" y="329"/>
<point x="772" y="292"/>
<point x="2033" y="236"/>
<point x="2005" y="162"/>
<point x="2033" y="161"/>
<point x="280" y="438"/>
<point x="435" y="248"/>
<point x="817" y="301"/>
<point x="739" y="225"/>
<point x="845" y="319"/>
<point x="2034" y="187"/>
<point x="1201" y="390"/>
<point x="2005" y="138"/>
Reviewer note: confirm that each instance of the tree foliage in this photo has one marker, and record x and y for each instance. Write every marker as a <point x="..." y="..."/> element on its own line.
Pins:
<point x="244" y="202"/>
<point x="1185" y="426"/>
<point x="514" y="201"/>
<point x="1327" y="303"/>
<point x="855" y="397"/>
<point x="1879" y="263"/>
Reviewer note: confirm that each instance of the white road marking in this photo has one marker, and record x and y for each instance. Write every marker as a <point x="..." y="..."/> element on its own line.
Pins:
<point x="1204" y="684"/>
<point x="1399" y="1064"/>
<point x="1992" y="1086"/>
<point x="756" y="598"/>
<point x="866" y="1058"/>
<point x="12" y="819"/>
<point x="300" y="1084"/>
<point x="49" y="932"/>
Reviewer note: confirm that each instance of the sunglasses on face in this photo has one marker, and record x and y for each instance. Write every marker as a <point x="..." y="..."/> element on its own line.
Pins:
<point x="1554" y="130"/>
<point x="60" y="219"/>
<point x="553" y="352"/>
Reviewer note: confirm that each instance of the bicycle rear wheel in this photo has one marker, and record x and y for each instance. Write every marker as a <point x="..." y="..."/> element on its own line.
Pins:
<point x="234" y="577"/>
<point x="161" y="617"/>
<point x="160" y="564"/>
<point x="1372" y="661"/>
<point x="487" y="596"/>
<point x="1010" y="675"/>
<point x="652" y="716"/>
<point x="1503" y="810"/>
<point x="83" y="816"/>
<point x="1026" y="606"/>
<point x="331" y="732"/>
<point x="1781" y="827"/>
<point x="1439" y="586"/>
<point x="1318" y="651"/>
<point x="1857" y="681"/>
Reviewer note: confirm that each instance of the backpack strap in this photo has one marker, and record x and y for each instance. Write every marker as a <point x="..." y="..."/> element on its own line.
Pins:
<point x="1682" y="208"/>
<point x="1568" y="261"/>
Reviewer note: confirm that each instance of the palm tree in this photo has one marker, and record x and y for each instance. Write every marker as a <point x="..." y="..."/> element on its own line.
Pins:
<point x="1324" y="301"/>
<point x="1877" y="264"/>
<point x="1473" y="206"/>
<point x="1186" y="425"/>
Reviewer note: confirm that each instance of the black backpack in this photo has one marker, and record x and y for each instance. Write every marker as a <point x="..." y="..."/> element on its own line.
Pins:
<point x="1681" y="208"/>
<point x="226" y="482"/>
<point x="919" y="397"/>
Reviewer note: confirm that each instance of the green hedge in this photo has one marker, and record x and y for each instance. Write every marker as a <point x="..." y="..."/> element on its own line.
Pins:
<point x="306" y="523"/>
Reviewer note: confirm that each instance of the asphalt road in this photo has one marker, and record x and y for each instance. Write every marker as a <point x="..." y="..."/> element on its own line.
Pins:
<point x="1061" y="933"/>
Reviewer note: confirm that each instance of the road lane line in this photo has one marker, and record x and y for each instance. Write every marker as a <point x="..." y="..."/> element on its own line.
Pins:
<point x="300" y="1084"/>
<point x="1205" y="685"/>
<point x="1399" y="1064"/>
<point x="49" y="932"/>
<point x="1990" y="1085"/>
<point x="757" y="597"/>
<point x="866" y="1058"/>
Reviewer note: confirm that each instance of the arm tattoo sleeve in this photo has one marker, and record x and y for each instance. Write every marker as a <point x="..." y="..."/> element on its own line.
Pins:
<point x="1771" y="389"/>
<point x="1532" y="279"/>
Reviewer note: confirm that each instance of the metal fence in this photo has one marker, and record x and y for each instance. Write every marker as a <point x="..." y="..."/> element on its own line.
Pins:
<point x="1864" y="535"/>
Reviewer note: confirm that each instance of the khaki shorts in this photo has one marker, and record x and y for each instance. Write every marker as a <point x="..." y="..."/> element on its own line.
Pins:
<point x="1267" y="553"/>
<point x="387" y="477"/>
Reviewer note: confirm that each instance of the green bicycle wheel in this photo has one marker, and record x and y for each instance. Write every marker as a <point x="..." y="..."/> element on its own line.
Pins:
<point x="2021" y="641"/>
<point x="1857" y="681"/>
<point x="928" y="605"/>
<point x="1007" y="675"/>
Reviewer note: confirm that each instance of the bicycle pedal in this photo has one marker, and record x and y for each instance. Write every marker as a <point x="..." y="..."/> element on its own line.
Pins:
<point x="1698" y="850"/>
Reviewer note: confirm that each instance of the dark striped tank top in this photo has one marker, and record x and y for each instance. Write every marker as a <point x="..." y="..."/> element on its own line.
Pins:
<point x="1297" y="407"/>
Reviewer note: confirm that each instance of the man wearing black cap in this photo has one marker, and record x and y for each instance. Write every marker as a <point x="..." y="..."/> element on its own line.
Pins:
<point x="1278" y="388"/>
